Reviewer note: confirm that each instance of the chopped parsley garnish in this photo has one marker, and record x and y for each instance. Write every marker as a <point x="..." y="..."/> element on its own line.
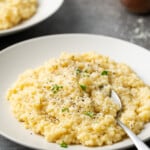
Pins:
<point x="105" y="72"/>
<point x="86" y="71"/>
<point x="89" y="113"/>
<point x="86" y="74"/>
<point x="83" y="87"/>
<point x="64" y="145"/>
<point x="65" y="109"/>
<point x="78" y="71"/>
<point x="56" y="88"/>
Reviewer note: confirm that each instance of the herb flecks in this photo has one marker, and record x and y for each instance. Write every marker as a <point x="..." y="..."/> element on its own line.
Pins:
<point x="78" y="71"/>
<point x="55" y="88"/>
<point x="86" y="73"/>
<point x="63" y="144"/>
<point x="83" y="87"/>
<point x="105" y="72"/>
<point x="89" y="113"/>
<point x="65" y="109"/>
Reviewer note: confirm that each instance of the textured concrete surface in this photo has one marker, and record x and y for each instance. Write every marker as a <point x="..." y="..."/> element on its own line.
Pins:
<point x="106" y="17"/>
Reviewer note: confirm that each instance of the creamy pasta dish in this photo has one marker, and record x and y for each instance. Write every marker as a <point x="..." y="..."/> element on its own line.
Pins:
<point x="13" y="12"/>
<point x="67" y="100"/>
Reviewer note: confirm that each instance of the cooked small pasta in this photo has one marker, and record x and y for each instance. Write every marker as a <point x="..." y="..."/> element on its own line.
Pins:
<point x="68" y="99"/>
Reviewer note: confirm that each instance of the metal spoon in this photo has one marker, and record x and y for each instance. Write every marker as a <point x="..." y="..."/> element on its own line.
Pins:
<point x="138" y="143"/>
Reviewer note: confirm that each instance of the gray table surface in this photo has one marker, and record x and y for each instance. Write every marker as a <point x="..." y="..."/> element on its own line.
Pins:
<point x="105" y="17"/>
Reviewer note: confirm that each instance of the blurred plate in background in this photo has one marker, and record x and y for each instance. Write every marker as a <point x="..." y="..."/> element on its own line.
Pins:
<point x="46" y="8"/>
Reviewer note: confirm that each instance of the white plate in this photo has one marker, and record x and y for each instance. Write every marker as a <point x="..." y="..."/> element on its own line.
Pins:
<point x="32" y="53"/>
<point x="46" y="8"/>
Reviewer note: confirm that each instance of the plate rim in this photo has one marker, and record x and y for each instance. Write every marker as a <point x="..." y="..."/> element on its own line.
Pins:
<point x="73" y="34"/>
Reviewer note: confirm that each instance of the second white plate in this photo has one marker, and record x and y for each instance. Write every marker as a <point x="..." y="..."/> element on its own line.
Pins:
<point x="46" y="8"/>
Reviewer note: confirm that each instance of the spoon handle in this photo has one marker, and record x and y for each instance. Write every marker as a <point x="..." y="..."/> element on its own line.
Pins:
<point x="139" y="143"/>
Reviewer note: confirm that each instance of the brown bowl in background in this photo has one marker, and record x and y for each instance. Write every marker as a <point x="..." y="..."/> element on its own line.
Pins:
<point x="137" y="6"/>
